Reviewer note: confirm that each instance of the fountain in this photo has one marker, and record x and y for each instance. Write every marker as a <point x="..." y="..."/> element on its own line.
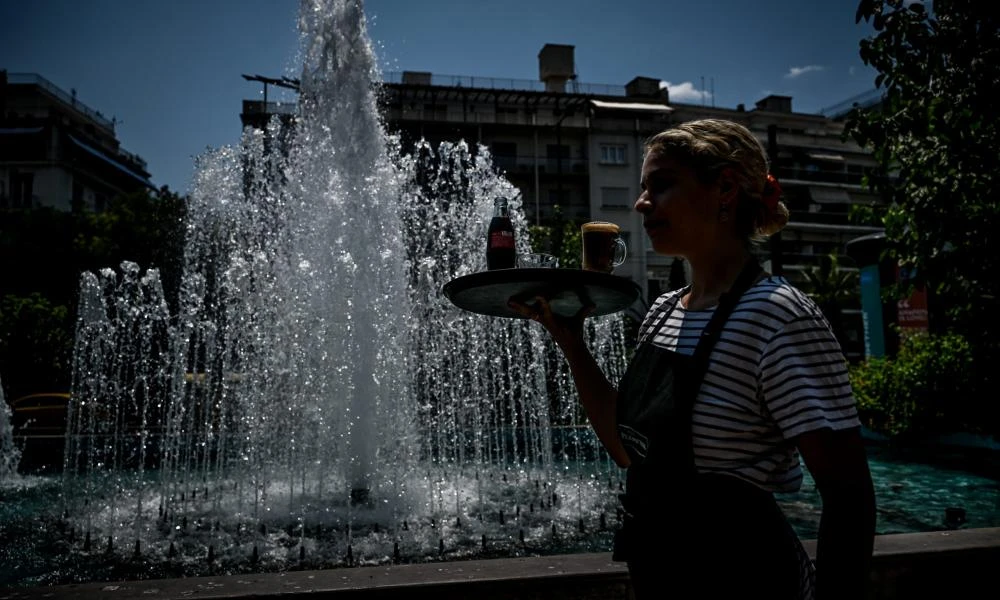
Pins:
<point x="10" y="455"/>
<point x="315" y="399"/>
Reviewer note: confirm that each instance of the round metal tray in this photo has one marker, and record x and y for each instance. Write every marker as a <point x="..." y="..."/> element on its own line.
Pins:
<point x="568" y="290"/>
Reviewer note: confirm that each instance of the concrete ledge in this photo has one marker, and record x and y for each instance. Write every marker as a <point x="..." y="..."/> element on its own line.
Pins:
<point x="917" y="565"/>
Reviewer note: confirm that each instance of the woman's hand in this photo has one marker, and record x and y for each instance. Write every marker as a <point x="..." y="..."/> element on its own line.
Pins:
<point x="566" y="331"/>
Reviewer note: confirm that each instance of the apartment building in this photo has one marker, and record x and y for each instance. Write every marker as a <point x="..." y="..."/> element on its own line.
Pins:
<point x="56" y="151"/>
<point x="578" y="146"/>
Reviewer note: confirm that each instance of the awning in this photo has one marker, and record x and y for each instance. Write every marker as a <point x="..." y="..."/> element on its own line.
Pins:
<point x="19" y="130"/>
<point x="112" y="162"/>
<point x="639" y="106"/>
<point x="829" y="195"/>
<point x="829" y="157"/>
<point x="806" y="226"/>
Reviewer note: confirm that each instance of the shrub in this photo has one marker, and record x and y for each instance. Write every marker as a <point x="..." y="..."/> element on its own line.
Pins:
<point x="928" y="387"/>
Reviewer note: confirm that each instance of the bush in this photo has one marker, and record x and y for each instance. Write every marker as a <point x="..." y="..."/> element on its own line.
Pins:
<point x="36" y="344"/>
<point x="928" y="388"/>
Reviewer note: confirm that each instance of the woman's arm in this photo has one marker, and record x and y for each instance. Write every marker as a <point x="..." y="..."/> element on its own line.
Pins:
<point x="597" y="395"/>
<point x="839" y="466"/>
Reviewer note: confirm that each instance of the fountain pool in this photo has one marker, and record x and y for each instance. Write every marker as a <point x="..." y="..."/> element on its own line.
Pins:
<point x="504" y="511"/>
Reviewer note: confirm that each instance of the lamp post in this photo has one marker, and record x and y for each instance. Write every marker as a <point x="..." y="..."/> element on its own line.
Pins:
<point x="777" y="268"/>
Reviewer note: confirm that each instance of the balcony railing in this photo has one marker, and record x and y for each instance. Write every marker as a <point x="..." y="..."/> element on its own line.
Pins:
<point x="256" y="107"/>
<point x="548" y="166"/>
<point x="862" y="100"/>
<point x="48" y="86"/>
<point x="819" y="175"/>
<point x="499" y="83"/>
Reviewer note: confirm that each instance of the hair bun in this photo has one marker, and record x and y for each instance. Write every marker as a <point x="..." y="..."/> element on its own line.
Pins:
<point x="772" y="192"/>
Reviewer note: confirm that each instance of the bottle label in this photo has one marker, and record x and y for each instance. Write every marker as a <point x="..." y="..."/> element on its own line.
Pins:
<point x="502" y="239"/>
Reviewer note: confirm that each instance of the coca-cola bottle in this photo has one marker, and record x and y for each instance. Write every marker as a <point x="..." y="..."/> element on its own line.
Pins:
<point x="500" y="252"/>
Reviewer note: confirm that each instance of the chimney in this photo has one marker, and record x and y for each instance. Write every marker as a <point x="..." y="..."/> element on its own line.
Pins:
<point x="645" y="87"/>
<point x="773" y="103"/>
<point x="556" y="67"/>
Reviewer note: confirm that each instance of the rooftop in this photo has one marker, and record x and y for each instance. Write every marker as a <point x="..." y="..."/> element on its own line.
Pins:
<point x="70" y="99"/>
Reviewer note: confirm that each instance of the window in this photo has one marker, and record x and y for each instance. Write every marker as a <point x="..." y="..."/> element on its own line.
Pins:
<point x="557" y="158"/>
<point x="504" y="149"/>
<point x="76" y="204"/>
<point x="554" y="151"/>
<point x="435" y="111"/>
<point x="560" y="197"/>
<point x="615" y="198"/>
<point x="506" y="115"/>
<point x="613" y="154"/>
<point x="505" y="155"/>
<point x="22" y="189"/>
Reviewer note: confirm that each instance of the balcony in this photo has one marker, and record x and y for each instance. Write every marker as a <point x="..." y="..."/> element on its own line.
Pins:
<point x="546" y="166"/>
<point x="818" y="175"/>
<point x="69" y="100"/>
<point x="500" y="83"/>
<point x="454" y="113"/>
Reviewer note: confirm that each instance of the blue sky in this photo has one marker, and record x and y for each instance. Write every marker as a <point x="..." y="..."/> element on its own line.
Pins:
<point x="169" y="72"/>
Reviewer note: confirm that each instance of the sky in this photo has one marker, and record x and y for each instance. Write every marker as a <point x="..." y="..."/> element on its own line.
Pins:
<point x="169" y="73"/>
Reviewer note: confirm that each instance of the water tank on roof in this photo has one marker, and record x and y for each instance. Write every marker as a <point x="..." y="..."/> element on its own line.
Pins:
<point x="556" y="66"/>
<point x="645" y="87"/>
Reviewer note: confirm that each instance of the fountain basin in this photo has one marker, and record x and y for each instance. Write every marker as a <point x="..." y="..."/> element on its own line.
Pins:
<point x="915" y="565"/>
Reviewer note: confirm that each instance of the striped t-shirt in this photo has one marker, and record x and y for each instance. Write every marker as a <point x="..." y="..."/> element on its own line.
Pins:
<point x="776" y="372"/>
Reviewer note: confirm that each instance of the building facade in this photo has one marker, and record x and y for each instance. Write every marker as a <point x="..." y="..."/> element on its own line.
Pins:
<point x="579" y="147"/>
<point x="57" y="152"/>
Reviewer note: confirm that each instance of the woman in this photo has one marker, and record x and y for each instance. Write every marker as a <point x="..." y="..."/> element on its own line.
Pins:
<point x="734" y="378"/>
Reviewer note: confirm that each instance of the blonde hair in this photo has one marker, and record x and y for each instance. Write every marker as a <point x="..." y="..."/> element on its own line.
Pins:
<point x="710" y="145"/>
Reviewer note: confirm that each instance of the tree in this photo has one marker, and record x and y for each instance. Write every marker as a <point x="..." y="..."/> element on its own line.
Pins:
<point x="36" y="343"/>
<point x="832" y="289"/>
<point x="561" y="238"/>
<point x="936" y="137"/>
<point x="142" y="227"/>
<point x="44" y="252"/>
<point x="937" y="131"/>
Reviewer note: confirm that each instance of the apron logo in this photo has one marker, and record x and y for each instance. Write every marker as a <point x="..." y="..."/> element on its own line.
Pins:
<point x="638" y="442"/>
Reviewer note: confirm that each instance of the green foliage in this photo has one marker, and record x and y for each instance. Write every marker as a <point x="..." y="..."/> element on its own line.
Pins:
<point x="832" y="289"/>
<point x="936" y="137"/>
<point x="561" y="238"/>
<point x="140" y="227"/>
<point x="925" y="389"/>
<point x="44" y="251"/>
<point x="934" y="133"/>
<point x="828" y="284"/>
<point x="36" y="343"/>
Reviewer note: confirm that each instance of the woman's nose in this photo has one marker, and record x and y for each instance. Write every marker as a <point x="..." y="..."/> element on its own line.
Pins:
<point x="642" y="203"/>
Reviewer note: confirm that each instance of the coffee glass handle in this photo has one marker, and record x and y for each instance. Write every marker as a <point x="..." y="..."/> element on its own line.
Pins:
<point x="621" y="251"/>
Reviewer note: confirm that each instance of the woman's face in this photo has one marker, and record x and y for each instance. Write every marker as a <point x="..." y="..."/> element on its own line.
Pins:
<point x="680" y="214"/>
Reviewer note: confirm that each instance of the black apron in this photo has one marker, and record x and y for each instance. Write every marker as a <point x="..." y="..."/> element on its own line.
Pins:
<point x="679" y="527"/>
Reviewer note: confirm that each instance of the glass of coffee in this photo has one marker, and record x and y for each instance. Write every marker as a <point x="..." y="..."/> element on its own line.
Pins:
<point x="603" y="247"/>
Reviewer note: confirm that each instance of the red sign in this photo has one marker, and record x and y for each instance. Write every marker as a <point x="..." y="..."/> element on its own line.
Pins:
<point x="911" y="312"/>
